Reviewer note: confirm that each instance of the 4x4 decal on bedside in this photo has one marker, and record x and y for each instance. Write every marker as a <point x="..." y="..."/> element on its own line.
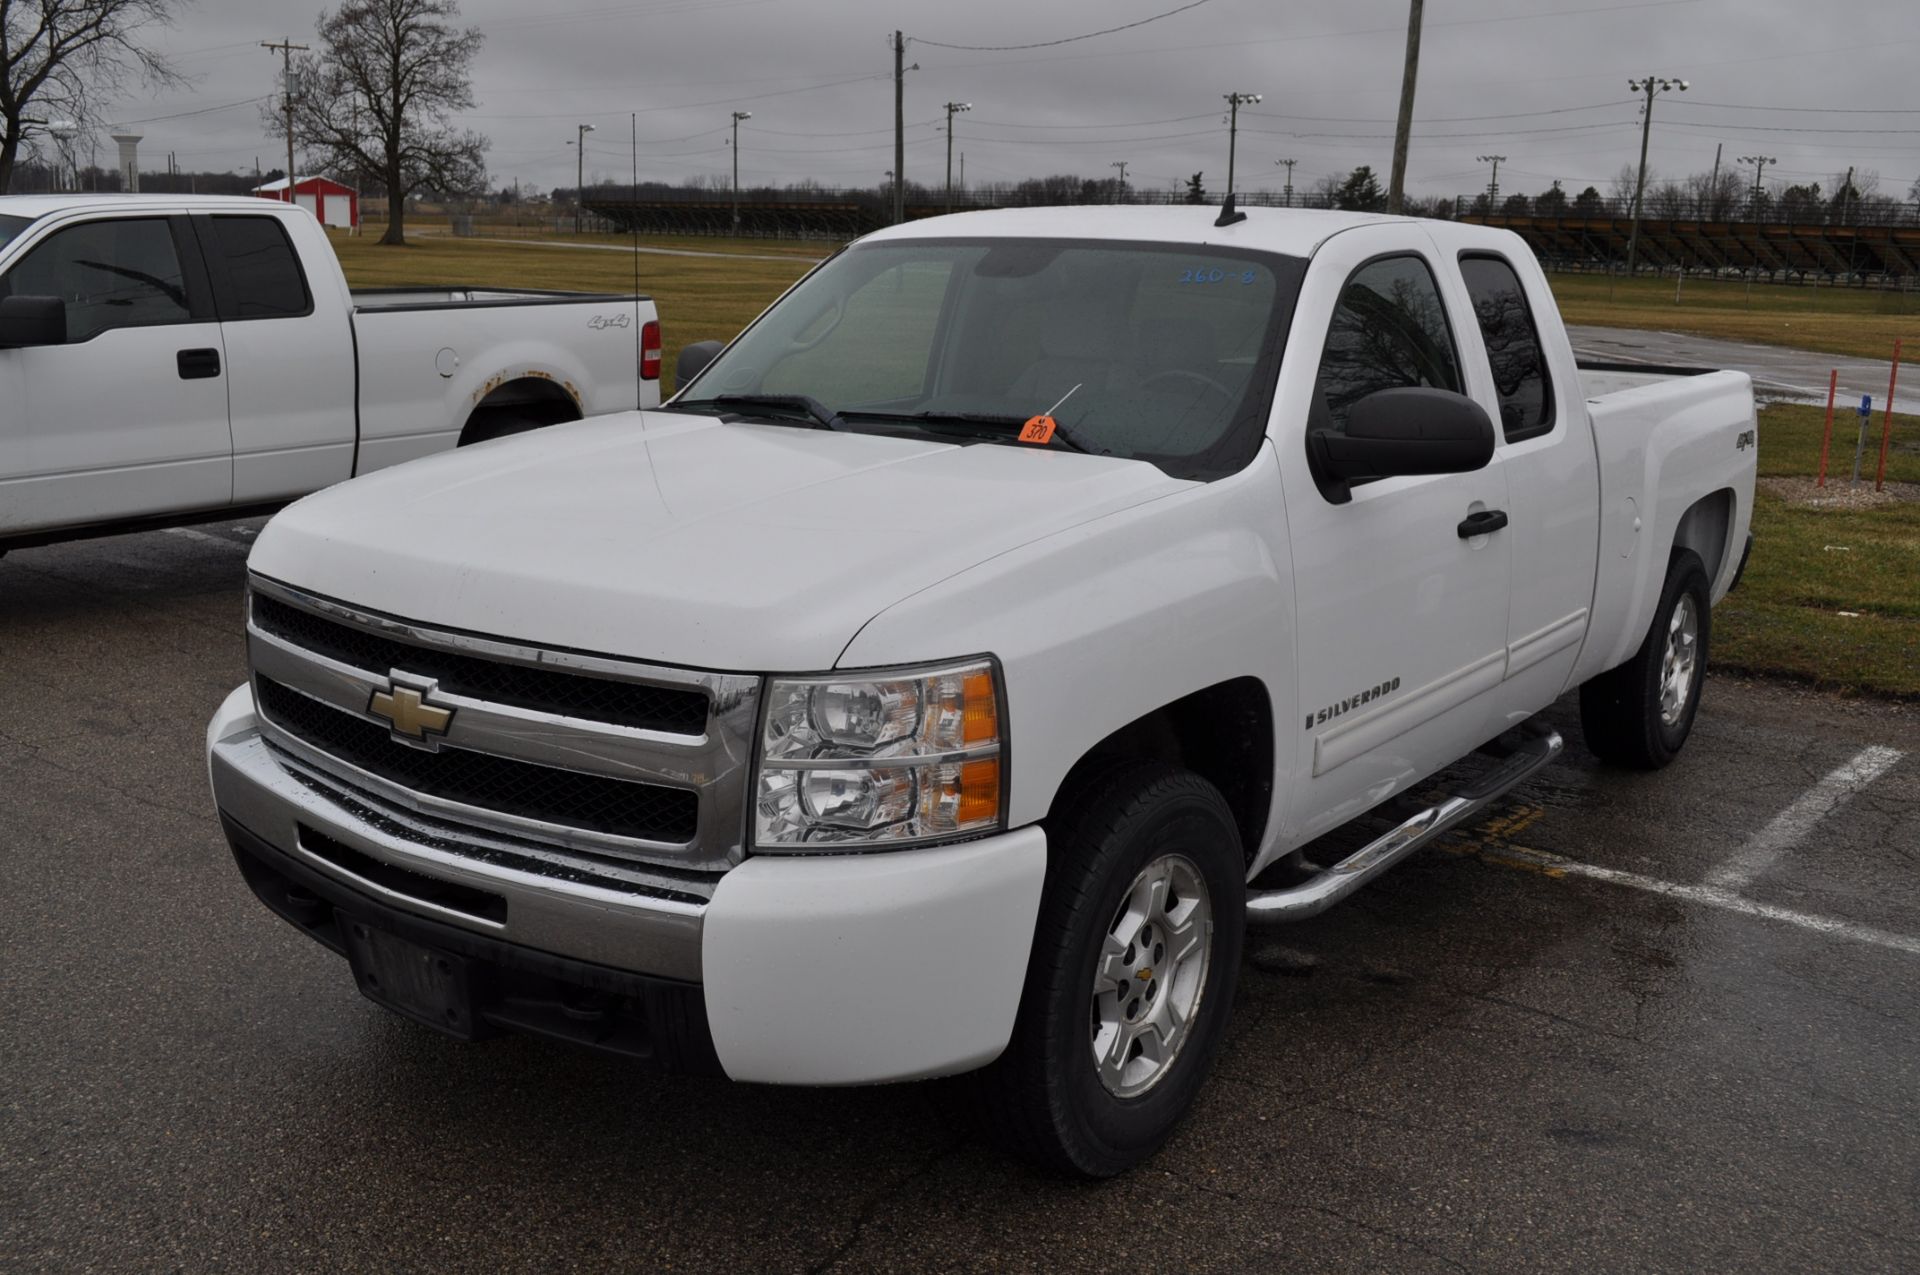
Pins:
<point x="1367" y="696"/>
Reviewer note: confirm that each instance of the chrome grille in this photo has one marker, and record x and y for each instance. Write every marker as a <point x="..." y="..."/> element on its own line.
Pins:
<point x="578" y="751"/>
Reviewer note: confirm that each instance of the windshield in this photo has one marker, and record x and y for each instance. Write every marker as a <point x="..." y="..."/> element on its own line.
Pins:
<point x="11" y="226"/>
<point x="1155" y="352"/>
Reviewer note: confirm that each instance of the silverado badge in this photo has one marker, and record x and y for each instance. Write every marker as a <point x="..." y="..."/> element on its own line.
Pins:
<point x="405" y="709"/>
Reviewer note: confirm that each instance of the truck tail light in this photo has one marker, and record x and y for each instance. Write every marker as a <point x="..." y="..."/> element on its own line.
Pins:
<point x="650" y="351"/>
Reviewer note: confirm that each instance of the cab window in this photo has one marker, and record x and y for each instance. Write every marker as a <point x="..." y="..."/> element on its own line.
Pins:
<point x="110" y="274"/>
<point x="1389" y="331"/>
<point x="1513" y="346"/>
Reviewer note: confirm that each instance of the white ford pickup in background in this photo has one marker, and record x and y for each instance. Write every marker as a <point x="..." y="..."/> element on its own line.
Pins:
<point x="168" y="359"/>
<point x="839" y="723"/>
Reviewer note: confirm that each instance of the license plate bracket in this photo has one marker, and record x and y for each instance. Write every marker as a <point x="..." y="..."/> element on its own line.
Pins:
<point x="432" y="987"/>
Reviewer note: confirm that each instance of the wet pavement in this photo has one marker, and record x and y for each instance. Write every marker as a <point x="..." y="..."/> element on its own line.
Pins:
<point x="1798" y="376"/>
<point x="1551" y="1044"/>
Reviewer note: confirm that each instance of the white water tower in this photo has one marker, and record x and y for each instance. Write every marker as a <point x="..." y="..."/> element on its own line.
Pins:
<point x="129" y="161"/>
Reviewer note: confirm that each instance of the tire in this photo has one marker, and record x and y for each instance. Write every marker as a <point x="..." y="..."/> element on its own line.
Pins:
<point x="1639" y="715"/>
<point x="1045" y="1099"/>
<point x="498" y="422"/>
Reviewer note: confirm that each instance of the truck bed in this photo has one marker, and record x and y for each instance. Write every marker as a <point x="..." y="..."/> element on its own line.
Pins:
<point x="382" y="299"/>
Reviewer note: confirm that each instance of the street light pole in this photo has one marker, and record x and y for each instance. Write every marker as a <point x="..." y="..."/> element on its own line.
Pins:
<point x="1234" y="102"/>
<point x="579" y="171"/>
<point x="1759" y="163"/>
<point x="1403" y="124"/>
<point x="737" y="117"/>
<point x="1649" y="86"/>
<point x="1493" y="187"/>
<point x="1288" y="165"/>
<point x="953" y="108"/>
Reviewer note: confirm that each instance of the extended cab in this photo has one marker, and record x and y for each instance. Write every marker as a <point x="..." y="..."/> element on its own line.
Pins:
<point x="168" y="359"/>
<point x="946" y="676"/>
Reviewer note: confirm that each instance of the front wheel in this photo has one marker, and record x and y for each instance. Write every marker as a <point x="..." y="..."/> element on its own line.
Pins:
<point x="1641" y="713"/>
<point x="1131" y="980"/>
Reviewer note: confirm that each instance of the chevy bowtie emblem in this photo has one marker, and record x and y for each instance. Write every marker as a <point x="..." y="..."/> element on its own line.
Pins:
<point x="405" y="708"/>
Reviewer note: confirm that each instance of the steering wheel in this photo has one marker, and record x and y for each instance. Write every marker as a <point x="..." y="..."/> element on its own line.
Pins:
<point x="1181" y="373"/>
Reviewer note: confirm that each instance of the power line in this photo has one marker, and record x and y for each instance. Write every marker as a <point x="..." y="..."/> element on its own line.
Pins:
<point x="1048" y="44"/>
<point x="205" y="110"/>
<point x="1446" y="119"/>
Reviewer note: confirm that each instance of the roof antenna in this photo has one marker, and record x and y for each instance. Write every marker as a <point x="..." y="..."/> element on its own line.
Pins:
<point x="1227" y="214"/>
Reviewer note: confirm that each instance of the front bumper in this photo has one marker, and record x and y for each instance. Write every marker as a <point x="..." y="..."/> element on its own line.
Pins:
<point x="829" y="969"/>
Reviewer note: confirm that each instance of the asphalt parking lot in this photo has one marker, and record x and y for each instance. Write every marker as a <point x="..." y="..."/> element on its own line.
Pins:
<point x="1665" y="1022"/>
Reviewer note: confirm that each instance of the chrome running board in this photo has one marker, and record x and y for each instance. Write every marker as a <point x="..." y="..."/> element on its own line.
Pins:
<point x="1539" y="745"/>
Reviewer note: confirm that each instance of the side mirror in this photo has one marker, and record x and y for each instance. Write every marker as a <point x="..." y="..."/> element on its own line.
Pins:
<point x="32" y="321"/>
<point x="693" y="360"/>
<point x="1406" y="431"/>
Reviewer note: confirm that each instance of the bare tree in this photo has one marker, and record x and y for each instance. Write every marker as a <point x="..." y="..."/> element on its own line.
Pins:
<point x="1626" y="181"/>
<point x="376" y="96"/>
<point x="53" y="53"/>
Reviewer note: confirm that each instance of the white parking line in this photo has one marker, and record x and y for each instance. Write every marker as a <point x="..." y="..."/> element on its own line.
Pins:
<point x="192" y="534"/>
<point x="1710" y="895"/>
<point x="1796" y="821"/>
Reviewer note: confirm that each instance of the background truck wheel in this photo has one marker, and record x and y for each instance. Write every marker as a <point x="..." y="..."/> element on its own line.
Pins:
<point x="1640" y="714"/>
<point x="513" y="418"/>
<point x="1131" y="980"/>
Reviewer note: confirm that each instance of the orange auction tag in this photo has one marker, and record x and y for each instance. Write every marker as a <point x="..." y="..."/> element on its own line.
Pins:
<point x="1038" y="429"/>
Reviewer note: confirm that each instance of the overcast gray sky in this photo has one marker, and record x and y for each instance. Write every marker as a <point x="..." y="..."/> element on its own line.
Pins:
<point x="1837" y="79"/>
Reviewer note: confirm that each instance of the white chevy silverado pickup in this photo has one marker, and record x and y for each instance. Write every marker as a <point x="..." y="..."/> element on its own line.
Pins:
<point x="169" y="358"/>
<point x="948" y="674"/>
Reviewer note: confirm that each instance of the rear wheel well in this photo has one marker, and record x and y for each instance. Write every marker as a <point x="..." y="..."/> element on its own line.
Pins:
<point x="1224" y="734"/>
<point x="529" y="402"/>
<point x="1707" y="528"/>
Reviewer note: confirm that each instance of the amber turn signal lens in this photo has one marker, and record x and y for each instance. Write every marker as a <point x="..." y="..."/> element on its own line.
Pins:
<point x="979" y="791"/>
<point x="980" y="713"/>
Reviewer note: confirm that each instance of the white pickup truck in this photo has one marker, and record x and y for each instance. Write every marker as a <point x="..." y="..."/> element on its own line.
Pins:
<point x="168" y="359"/>
<point x="948" y="674"/>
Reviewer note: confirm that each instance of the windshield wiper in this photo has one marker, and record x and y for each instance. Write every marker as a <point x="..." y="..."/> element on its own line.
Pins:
<point x="822" y="416"/>
<point x="1062" y="436"/>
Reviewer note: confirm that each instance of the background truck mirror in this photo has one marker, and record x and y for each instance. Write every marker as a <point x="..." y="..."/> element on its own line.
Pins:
<point x="1407" y="431"/>
<point x="32" y="321"/>
<point x="693" y="360"/>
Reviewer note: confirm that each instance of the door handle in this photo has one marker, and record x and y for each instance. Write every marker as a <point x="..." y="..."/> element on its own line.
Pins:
<point x="1485" y="522"/>
<point x="198" y="365"/>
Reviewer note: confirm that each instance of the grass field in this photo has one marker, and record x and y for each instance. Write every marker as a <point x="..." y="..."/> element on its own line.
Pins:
<point x="1810" y="564"/>
<point x="700" y="298"/>
<point x="1861" y="322"/>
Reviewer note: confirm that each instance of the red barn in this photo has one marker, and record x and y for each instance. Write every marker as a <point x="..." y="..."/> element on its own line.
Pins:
<point x="330" y="202"/>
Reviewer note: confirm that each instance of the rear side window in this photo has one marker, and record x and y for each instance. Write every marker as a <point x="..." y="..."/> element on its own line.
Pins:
<point x="1513" y="347"/>
<point x="1388" y="332"/>
<point x="263" y="275"/>
<point x="110" y="274"/>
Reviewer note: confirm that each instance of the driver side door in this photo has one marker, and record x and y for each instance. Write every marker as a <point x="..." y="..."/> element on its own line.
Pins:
<point x="128" y="418"/>
<point x="1401" y="615"/>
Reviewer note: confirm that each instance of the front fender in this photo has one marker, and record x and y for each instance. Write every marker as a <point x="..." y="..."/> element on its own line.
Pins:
<point x="1101" y="624"/>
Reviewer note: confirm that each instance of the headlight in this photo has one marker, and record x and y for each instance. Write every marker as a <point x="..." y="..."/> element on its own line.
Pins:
<point x="905" y="757"/>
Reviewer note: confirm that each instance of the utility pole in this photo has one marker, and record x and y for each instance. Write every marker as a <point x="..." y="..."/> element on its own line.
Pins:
<point x="1493" y="187"/>
<point x="953" y="108"/>
<point x="1713" y="182"/>
<point x="1234" y="102"/>
<point x="1120" y="190"/>
<point x="1649" y="86"/>
<point x="737" y="117"/>
<point x="899" y="128"/>
<point x="580" y="132"/>
<point x="1403" y="129"/>
<point x="286" y="49"/>
<point x="1288" y="163"/>
<point x="1846" y="196"/>
<point x="1759" y="163"/>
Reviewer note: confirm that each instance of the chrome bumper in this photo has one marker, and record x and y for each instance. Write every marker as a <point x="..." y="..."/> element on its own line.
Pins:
<point x="630" y="917"/>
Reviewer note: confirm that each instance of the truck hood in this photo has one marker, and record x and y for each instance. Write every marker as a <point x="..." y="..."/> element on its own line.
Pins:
<point x="682" y="539"/>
